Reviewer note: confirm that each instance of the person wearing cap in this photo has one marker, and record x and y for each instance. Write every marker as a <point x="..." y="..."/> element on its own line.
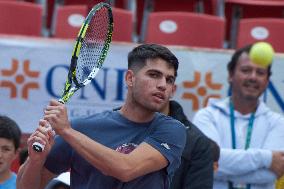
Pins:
<point x="60" y="182"/>
<point x="134" y="147"/>
<point x="250" y="134"/>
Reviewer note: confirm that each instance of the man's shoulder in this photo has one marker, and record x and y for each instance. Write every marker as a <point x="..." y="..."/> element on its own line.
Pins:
<point x="102" y="117"/>
<point x="263" y="109"/>
<point x="168" y="120"/>
<point x="218" y="103"/>
<point x="169" y="127"/>
<point x="95" y="116"/>
<point x="214" y="106"/>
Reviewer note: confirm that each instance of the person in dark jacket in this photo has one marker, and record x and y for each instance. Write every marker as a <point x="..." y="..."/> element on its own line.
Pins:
<point x="215" y="153"/>
<point x="196" y="169"/>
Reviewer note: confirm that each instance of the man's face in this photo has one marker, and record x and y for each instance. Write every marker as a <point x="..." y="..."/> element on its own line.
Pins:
<point x="248" y="80"/>
<point x="7" y="154"/>
<point x="153" y="85"/>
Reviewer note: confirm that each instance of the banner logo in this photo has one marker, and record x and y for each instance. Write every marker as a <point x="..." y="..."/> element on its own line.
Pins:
<point x="201" y="91"/>
<point x="19" y="87"/>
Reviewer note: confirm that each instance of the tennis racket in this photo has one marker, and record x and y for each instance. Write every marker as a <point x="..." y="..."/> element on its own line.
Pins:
<point x="89" y="53"/>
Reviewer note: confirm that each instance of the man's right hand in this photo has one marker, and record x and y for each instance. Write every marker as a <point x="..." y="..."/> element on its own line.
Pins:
<point x="277" y="164"/>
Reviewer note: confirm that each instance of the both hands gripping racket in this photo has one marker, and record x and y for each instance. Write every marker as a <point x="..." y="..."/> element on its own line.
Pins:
<point x="89" y="53"/>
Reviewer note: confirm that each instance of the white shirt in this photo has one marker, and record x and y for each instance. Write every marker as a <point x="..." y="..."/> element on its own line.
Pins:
<point x="239" y="165"/>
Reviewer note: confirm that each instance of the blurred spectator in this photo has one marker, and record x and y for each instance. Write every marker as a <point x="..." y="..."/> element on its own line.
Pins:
<point x="280" y="183"/>
<point x="60" y="182"/>
<point x="10" y="135"/>
<point x="215" y="153"/>
<point x="249" y="134"/>
<point x="196" y="169"/>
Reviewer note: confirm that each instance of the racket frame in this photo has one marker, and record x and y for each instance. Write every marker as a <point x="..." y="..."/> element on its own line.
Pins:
<point x="70" y="89"/>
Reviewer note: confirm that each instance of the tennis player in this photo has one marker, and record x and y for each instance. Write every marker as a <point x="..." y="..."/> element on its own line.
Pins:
<point x="134" y="147"/>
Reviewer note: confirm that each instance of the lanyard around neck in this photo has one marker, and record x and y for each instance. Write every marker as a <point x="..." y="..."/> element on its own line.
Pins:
<point x="248" y="137"/>
<point x="249" y="130"/>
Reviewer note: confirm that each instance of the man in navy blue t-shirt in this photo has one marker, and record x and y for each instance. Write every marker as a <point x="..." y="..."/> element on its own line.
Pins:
<point x="133" y="147"/>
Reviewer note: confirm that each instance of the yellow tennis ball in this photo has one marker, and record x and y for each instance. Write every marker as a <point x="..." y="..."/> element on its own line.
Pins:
<point x="261" y="53"/>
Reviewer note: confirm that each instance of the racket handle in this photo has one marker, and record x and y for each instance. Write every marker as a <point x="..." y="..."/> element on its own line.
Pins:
<point x="38" y="147"/>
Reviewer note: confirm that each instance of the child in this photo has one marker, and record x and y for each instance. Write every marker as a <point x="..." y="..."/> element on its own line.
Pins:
<point x="10" y="135"/>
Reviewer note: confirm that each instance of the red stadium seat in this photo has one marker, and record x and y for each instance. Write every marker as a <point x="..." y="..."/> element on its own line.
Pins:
<point x="51" y="4"/>
<point x="144" y="7"/>
<point x="20" y="18"/>
<point x="80" y="2"/>
<point x="123" y="25"/>
<point x="185" y="28"/>
<point x="68" y="20"/>
<point x="261" y="29"/>
<point x="237" y="9"/>
<point x="91" y="3"/>
<point x="206" y="6"/>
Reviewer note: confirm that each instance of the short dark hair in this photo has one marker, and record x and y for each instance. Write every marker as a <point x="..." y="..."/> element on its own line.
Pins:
<point x="10" y="130"/>
<point x="139" y="55"/>
<point x="235" y="58"/>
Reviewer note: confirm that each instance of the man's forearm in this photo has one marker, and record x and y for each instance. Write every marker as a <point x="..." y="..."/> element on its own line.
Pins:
<point x="124" y="167"/>
<point x="260" y="176"/>
<point x="237" y="161"/>
<point x="29" y="175"/>
<point x="96" y="154"/>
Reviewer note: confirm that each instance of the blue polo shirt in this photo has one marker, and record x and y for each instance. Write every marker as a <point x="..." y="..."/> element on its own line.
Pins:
<point x="111" y="129"/>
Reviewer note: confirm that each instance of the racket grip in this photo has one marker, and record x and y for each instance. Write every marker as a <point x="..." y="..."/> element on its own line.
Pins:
<point x="38" y="147"/>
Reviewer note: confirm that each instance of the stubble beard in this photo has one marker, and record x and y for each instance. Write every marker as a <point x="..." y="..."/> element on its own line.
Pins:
<point x="146" y="104"/>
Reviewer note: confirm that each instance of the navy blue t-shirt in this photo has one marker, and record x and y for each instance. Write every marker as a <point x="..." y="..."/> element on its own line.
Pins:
<point x="111" y="129"/>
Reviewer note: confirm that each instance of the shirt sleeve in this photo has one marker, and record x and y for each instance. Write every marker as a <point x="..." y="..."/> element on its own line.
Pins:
<point x="204" y="120"/>
<point x="260" y="176"/>
<point x="59" y="158"/>
<point x="274" y="139"/>
<point x="239" y="161"/>
<point x="169" y="139"/>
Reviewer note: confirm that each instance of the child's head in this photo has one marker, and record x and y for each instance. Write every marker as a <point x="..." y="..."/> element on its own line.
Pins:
<point x="10" y="136"/>
<point x="10" y="131"/>
<point x="215" y="153"/>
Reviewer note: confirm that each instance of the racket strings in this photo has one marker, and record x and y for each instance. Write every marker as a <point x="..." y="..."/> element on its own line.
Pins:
<point x="93" y="45"/>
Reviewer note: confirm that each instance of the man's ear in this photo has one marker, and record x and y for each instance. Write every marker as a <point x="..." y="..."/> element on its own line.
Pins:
<point x="230" y="77"/>
<point x="129" y="77"/>
<point x="174" y="89"/>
